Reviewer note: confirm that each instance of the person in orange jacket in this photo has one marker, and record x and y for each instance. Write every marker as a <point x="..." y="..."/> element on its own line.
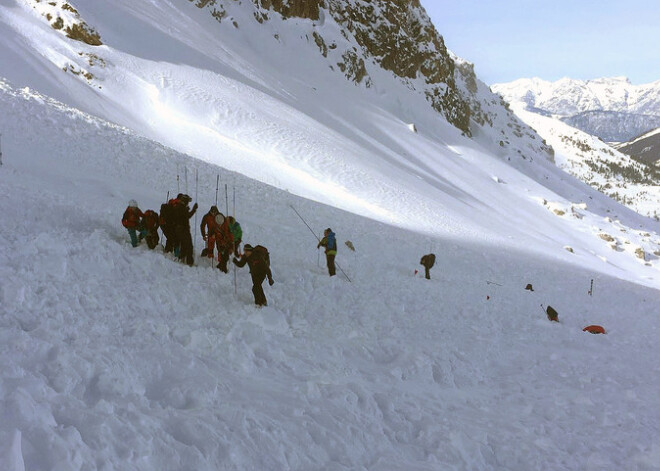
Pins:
<point x="224" y="241"/>
<point x="131" y="221"/>
<point x="208" y="228"/>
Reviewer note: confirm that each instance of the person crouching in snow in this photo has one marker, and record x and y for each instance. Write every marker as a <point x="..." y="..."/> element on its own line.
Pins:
<point x="258" y="260"/>
<point x="131" y="221"/>
<point x="428" y="261"/>
<point x="149" y="226"/>
<point x="330" y="244"/>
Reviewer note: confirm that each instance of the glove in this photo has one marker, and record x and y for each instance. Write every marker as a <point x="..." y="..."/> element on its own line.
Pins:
<point x="235" y="260"/>
<point x="194" y="206"/>
<point x="204" y="237"/>
<point x="271" y="282"/>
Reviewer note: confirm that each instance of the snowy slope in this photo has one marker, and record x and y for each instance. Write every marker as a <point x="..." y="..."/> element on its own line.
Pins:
<point x="606" y="169"/>
<point x="611" y="108"/>
<point x="121" y="358"/>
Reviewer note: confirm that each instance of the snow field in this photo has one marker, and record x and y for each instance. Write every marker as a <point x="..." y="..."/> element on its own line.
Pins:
<point x="121" y="358"/>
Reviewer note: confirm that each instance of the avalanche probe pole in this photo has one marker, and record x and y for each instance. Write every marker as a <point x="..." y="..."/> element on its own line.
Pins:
<point x="319" y="240"/>
<point x="234" y="247"/>
<point x="217" y="183"/>
<point x="226" y="202"/>
<point x="160" y="215"/>
<point x="195" y="228"/>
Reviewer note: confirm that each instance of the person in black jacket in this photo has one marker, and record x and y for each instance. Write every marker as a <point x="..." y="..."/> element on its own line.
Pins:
<point x="181" y="222"/>
<point x="259" y="262"/>
<point x="428" y="261"/>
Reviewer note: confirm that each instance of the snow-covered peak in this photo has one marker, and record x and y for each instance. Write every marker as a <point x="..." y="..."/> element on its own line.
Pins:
<point x="611" y="108"/>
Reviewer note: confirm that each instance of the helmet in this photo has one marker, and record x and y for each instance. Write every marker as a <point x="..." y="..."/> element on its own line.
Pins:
<point x="133" y="204"/>
<point x="247" y="247"/>
<point x="214" y="210"/>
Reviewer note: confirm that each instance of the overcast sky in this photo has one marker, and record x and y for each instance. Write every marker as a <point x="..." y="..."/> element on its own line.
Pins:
<point x="583" y="39"/>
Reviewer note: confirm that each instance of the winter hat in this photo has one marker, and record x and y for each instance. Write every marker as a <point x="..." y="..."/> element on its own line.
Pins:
<point x="215" y="210"/>
<point x="247" y="247"/>
<point x="133" y="204"/>
<point x="219" y="219"/>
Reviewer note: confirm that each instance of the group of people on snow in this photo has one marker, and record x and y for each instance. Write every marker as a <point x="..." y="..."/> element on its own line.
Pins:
<point x="219" y="232"/>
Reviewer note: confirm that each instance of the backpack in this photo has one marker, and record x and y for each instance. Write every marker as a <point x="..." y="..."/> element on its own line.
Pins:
<point x="150" y="220"/>
<point x="263" y="252"/>
<point x="165" y="213"/>
<point x="131" y="217"/>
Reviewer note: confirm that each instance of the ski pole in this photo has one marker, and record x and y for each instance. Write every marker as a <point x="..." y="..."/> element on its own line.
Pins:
<point x="185" y="173"/>
<point x="591" y="289"/>
<point x="0" y="149"/>
<point x="319" y="240"/>
<point x="217" y="182"/>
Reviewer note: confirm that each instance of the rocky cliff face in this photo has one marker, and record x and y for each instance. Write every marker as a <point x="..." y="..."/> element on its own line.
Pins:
<point x="396" y="35"/>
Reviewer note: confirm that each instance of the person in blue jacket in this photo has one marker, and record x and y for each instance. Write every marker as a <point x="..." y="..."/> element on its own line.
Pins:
<point x="330" y="243"/>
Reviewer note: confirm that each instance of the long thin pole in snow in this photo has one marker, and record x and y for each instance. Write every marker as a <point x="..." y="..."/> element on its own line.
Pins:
<point x="319" y="240"/>
<point x="195" y="228"/>
<point x="186" y="176"/>
<point x="0" y="149"/>
<point x="234" y="248"/>
<point x="167" y="199"/>
<point x="226" y="202"/>
<point x="217" y="183"/>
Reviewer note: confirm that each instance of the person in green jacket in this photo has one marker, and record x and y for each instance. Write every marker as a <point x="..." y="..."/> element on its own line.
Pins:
<point x="237" y="232"/>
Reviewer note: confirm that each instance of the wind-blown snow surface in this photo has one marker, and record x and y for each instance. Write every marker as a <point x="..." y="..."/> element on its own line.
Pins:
<point x="121" y="358"/>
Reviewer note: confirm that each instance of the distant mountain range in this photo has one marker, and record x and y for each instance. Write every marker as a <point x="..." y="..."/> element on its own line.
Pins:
<point x="576" y="116"/>
<point x="612" y="109"/>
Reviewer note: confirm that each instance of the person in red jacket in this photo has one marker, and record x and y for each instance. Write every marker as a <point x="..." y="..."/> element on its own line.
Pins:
<point x="208" y="227"/>
<point x="131" y="221"/>
<point x="224" y="241"/>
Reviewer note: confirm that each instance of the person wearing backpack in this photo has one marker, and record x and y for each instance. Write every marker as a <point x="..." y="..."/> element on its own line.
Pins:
<point x="330" y="243"/>
<point x="150" y="225"/>
<point x="131" y="221"/>
<point x="428" y="261"/>
<point x="181" y="219"/>
<point x="167" y="225"/>
<point x="237" y="232"/>
<point x="258" y="260"/>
